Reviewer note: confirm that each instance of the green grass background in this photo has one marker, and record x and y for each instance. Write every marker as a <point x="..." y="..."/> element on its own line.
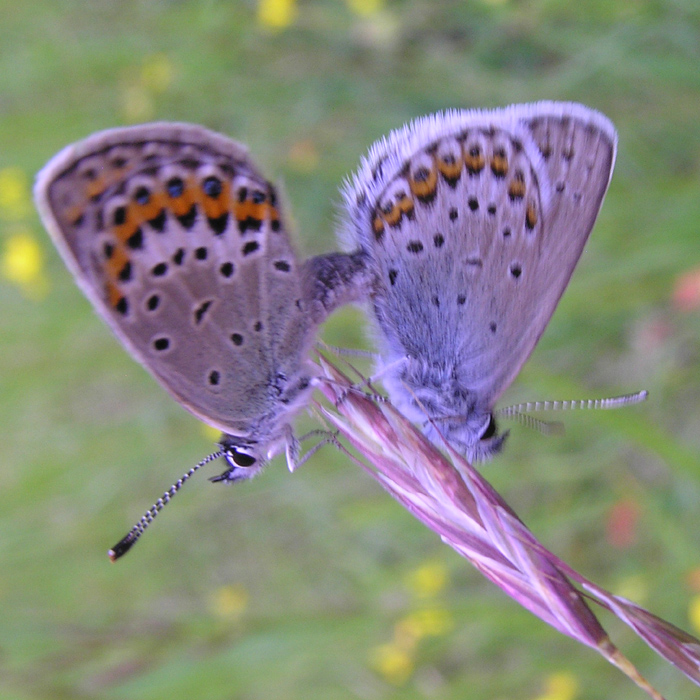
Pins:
<point x="88" y="440"/>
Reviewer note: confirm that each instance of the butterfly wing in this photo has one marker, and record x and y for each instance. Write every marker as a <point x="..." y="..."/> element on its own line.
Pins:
<point x="474" y="222"/>
<point x="179" y="243"/>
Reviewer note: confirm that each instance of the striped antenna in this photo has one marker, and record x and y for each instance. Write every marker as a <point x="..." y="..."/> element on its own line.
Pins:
<point x="544" y="427"/>
<point x="614" y="402"/>
<point x="127" y="542"/>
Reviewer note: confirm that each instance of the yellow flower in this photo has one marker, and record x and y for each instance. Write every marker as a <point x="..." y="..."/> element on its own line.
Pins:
<point x="428" y="580"/>
<point x="15" y="199"/>
<point x="157" y="73"/>
<point x="229" y="601"/>
<point x="430" y="622"/>
<point x="276" y="14"/>
<point x="392" y="662"/>
<point x="365" y="8"/>
<point x="694" y="612"/>
<point x="22" y="263"/>
<point x="140" y="86"/>
<point x="560" y="686"/>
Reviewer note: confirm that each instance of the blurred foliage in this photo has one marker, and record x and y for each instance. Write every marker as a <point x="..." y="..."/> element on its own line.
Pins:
<point x="306" y="586"/>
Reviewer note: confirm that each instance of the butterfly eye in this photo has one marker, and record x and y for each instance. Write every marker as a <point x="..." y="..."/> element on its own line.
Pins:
<point x="490" y="429"/>
<point x="236" y="457"/>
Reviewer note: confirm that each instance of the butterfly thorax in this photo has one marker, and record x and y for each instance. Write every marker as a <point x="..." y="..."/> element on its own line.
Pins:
<point x="249" y="450"/>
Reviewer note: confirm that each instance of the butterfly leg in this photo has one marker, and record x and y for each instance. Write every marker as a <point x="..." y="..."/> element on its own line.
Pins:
<point x="369" y="381"/>
<point x="293" y="448"/>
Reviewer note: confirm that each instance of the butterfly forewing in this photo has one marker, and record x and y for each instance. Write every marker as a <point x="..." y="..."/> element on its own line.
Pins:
<point x="474" y="222"/>
<point x="179" y="243"/>
<point x="576" y="148"/>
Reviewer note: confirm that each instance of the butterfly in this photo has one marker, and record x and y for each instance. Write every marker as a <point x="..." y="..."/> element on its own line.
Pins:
<point x="181" y="245"/>
<point x="472" y="222"/>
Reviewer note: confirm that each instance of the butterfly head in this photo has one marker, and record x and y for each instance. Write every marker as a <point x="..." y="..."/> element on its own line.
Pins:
<point x="245" y="459"/>
<point x="432" y="395"/>
<point x="479" y="445"/>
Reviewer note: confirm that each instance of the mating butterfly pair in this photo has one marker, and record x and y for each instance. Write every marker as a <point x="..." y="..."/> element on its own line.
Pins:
<point x="464" y="227"/>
